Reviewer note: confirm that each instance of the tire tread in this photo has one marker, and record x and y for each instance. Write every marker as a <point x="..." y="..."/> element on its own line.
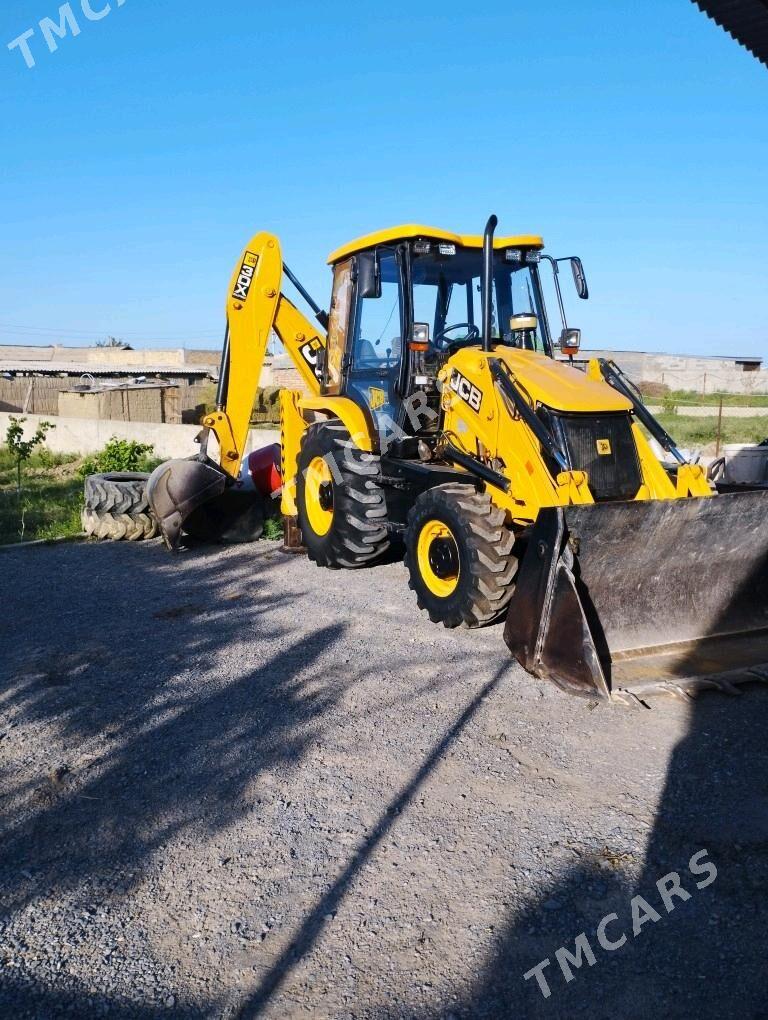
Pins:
<point x="358" y="535"/>
<point x="116" y="507"/>
<point x="489" y="543"/>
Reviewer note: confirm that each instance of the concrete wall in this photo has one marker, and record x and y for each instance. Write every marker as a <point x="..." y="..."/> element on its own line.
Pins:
<point x="83" y="435"/>
<point x="197" y="357"/>
<point x="109" y="356"/>
<point x="680" y="372"/>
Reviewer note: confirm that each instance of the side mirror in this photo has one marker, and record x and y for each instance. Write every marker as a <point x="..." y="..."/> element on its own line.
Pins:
<point x="579" y="278"/>
<point x="570" y="341"/>
<point x="368" y="275"/>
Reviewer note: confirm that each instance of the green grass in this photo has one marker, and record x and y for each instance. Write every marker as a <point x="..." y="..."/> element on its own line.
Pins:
<point x="691" y="398"/>
<point x="687" y="430"/>
<point x="50" y="501"/>
<point x="273" y="528"/>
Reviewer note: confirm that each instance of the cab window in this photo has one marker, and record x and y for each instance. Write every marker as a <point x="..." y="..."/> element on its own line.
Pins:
<point x="377" y="342"/>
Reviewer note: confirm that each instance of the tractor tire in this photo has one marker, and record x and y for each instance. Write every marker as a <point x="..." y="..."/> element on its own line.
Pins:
<point x="119" y="527"/>
<point x="458" y="552"/>
<point x="121" y="492"/>
<point x="341" y="507"/>
<point x="116" y="507"/>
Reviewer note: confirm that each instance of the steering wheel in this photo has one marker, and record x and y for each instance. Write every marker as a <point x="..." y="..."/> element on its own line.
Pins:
<point x="444" y="343"/>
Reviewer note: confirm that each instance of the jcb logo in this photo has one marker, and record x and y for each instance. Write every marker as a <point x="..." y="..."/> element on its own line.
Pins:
<point x="309" y="352"/>
<point x="245" y="276"/>
<point x="469" y="393"/>
<point x="377" y="398"/>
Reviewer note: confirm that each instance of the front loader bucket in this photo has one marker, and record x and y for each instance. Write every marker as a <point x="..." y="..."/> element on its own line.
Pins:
<point x="177" y="488"/>
<point x="621" y="600"/>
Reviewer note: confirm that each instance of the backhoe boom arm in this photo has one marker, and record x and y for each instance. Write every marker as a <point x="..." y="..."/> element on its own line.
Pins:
<point x="255" y="307"/>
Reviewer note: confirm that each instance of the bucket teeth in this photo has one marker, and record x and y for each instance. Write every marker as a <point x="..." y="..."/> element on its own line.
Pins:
<point x="624" y="697"/>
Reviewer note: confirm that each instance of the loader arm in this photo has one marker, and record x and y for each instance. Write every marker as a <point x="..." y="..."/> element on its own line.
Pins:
<point x="255" y="307"/>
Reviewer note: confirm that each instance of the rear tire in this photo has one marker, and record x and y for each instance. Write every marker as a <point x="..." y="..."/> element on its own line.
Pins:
<point x="341" y="508"/>
<point x="458" y="552"/>
<point x="116" y="507"/>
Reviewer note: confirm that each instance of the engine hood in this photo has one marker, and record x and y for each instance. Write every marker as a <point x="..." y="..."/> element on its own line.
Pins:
<point x="559" y="386"/>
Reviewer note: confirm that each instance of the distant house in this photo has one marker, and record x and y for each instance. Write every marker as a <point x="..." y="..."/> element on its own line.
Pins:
<point x="108" y="363"/>
<point x="33" y="378"/>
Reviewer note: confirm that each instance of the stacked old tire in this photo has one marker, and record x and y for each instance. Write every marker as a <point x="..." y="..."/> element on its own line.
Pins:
<point x="116" y="507"/>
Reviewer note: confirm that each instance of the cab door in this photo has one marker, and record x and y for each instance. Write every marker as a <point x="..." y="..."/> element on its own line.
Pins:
<point x="377" y="344"/>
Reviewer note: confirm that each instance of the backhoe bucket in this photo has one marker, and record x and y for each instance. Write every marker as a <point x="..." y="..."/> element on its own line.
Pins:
<point x="177" y="488"/>
<point x="621" y="600"/>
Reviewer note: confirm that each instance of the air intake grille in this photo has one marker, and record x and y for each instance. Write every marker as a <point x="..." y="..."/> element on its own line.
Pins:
<point x="604" y="447"/>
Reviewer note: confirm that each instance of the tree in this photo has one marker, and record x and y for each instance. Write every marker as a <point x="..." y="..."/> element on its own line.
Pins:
<point x="112" y="341"/>
<point x="21" y="448"/>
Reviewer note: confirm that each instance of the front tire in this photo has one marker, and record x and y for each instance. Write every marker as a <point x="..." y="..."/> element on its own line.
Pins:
<point x="341" y="507"/>
<point x="458" y="552"/>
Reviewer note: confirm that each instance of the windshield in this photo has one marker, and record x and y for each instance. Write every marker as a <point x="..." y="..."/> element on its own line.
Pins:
<point x="446" y="296"/>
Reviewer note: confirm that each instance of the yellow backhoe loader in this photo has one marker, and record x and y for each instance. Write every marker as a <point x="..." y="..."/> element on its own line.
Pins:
<point x="435" y="416"/>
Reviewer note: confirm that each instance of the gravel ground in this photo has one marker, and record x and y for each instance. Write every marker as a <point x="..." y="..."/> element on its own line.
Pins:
<point x="236" y="785"/>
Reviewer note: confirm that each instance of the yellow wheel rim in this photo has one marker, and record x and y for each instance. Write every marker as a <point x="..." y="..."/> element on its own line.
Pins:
<point x="438" y="558"/>
<point x="320" y="516"/>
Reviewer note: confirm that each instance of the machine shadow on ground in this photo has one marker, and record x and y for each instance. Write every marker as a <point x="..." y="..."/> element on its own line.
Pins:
<point x="705" y="957"/>
<point x="312" y="927"/>
<point x="157" y="765"/>
<point x="145" y="764"/>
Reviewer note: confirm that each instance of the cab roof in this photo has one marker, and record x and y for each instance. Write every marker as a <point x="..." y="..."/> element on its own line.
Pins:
<point x="411" y="231"/>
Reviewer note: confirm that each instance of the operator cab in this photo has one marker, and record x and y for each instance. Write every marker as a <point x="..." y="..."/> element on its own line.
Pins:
<point x="404" y="300"/>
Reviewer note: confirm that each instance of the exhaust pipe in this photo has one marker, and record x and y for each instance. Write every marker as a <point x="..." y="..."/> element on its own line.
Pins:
<point x="487" y="280"/>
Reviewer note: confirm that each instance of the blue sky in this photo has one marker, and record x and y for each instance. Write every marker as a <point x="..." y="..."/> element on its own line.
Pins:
<point x="140" y="156"/>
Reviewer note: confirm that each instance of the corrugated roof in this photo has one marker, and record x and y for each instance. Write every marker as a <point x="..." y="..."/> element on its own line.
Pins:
<point x="745" y="20"/>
